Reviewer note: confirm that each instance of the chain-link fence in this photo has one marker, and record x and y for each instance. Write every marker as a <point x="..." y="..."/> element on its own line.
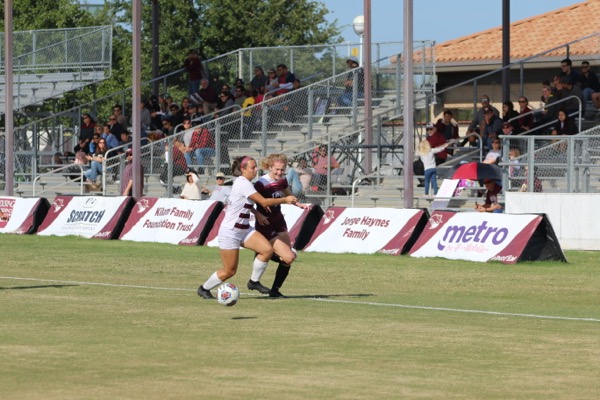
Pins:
<point x="560" y="163"/>
<point x="50" y="62"/>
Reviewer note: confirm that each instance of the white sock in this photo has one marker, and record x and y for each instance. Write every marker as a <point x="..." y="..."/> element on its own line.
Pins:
<point x="258" y="269"/>
<point x="212" y="282"/>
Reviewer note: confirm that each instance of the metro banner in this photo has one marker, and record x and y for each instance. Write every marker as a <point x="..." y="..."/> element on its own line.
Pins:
<point x="301" y="224"/>
<point x="22" y="215"/>
<point x="175" y="221"/>
<point x="87" y="216"/>
<point x="475" y="236"/>
<point x="367" y="230"/>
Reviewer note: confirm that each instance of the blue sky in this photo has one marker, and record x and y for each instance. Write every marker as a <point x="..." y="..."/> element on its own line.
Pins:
<point x="438" y="20"/>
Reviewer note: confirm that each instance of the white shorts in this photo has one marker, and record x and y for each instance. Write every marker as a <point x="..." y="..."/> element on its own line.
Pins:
<point x="232" y="239"/>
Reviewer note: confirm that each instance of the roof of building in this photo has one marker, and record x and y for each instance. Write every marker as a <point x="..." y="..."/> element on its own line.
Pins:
<point x="528" y="36"/>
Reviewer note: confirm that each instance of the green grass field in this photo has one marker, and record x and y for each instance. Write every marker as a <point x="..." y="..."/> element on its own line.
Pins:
<point x="93" y="319"/>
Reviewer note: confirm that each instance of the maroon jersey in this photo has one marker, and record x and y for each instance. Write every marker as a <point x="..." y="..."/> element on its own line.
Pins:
<point x="271" y="189"/>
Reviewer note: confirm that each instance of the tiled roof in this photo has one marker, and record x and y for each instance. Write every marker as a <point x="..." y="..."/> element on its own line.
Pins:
<point x="528" y="37"/>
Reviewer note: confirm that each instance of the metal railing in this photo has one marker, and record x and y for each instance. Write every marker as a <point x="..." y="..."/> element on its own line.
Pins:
<point x="38" y="178"/>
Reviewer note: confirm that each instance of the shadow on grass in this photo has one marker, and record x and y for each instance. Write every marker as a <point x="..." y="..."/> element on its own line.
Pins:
<point x="35" y="287"/>
<point x="316" y="296"/>
<point x="244" y="317"/>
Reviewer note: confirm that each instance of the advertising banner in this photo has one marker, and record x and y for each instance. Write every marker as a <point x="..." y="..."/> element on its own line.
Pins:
<point x="87" y="216"/>
<point x="301" y="224"/>
<point x="22" y="216"/>
<point x="475" y="236"/>
<point x="175" y="221"/>
<point x="367" y="230"/>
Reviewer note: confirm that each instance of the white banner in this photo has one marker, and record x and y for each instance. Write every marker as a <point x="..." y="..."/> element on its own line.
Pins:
<point x="175" y="221"/>
<point x="17" y="214"/>
<point x="364" y="230"/>
<point x="476" y="236"/>
<point x="86" y="216"/>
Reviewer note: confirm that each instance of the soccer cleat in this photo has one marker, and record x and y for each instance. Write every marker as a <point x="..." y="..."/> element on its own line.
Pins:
<point x="205" y="293"/>
<point x="275" y="293"/>
<point x="258" y="286"/>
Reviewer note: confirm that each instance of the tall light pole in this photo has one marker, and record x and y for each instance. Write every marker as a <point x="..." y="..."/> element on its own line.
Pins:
<point x="358" y="24"/>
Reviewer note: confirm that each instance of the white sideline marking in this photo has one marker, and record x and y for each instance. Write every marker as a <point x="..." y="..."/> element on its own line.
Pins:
<point x="362" y="303"/>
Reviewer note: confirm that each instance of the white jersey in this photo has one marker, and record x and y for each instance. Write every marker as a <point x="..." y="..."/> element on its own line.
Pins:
<point x="237" y="206"/>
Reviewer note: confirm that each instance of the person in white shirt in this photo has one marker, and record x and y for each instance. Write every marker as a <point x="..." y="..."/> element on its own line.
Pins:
<point x="235" y="230"/>
<point x="427" y="155"/>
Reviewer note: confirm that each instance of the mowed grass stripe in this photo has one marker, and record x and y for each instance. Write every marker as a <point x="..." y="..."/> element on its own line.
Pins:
<point x="361" y="303"/>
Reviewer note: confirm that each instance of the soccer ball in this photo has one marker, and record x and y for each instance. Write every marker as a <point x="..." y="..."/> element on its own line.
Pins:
<point x="228" y="294"/>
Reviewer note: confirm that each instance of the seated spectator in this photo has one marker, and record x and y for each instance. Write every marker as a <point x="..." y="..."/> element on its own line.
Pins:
<point x="345" y="100"/>
<point x="590" y="83"/>
<point x="272" y="81"/>
<point x="495" y="154"/>
<point x="491" y="198"/>
<point x="259" y="80"/>
<point x="478" y="119"/>
<point x="286" y="79"/>
<point x="514" y="169"/>
<point x="113" y="126"/>
<point x="201" y="145"/>
<point x="125" y="141"/>
<point x="176" y="115"/>
<point x="550" y="111"/>
<point x="206" y="97"/>
<point x="121" y="118"/>
<point x="191" y="189"/>
<point x="566" y="89"/>
<point x="566" y="69"/>
<point x="127" y="175"/>
<point x="219" y="192"/>
<point x="239" y="96"/>
<point x="109" y="136"/>
<point x="490" y="127"/>
<point x="565" y="125"/>
<point x="145" y="116"/>
<point x="177" y="159"/>
<point x="96" y="162"/>
<point x="227" y="105"/>
<point x="508" y="112"/>
<point x="294" y="182"/>
<point x="320" y="165"/>
<point x="167" y="127"/>
<point x="304" y="173"/>
<point x="87" y="127"/>
<point x="84" y="145"/>
<point x="525" y="122"/>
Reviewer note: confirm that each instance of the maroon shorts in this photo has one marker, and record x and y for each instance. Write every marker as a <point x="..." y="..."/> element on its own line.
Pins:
<point x="272" y="230"/>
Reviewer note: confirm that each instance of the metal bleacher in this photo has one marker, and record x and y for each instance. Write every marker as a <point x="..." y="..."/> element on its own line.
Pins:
<point x="49" y="63"/>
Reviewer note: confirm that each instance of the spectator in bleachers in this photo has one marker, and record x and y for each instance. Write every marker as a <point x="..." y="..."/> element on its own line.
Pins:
<point x="176" y="115"/>
<point x="286" y="79"/>
<point x="525" y="122"/>
<point x="259" y="79"/>
<point x="495" y="154"/>
<point x="249" y="102"/>
<point x="491" y="198"/>
<point x="590" y="83"/>
<point x="427" y="155"/>
<point x="114" y="126"/>
<point x="110" y="137"/>
<point x="125" y="140"/>
<point x="201" y="145"/>
<point x="239" y="95"/>
<point x="320" y="163"/>
<point x="220" y="191"/>
<point x="121" y="118"/>
<point x="87" y="127"/>
<point x="156" y="120"/>
<point x="447" y="126"/>
<point x="566" y="90"/>
<point x="193" y="65"/>
<point x="206" y="97"/>
<point x="345" y="100"/>
<point x="226" y="106"/>
<point x="259" y="98"/>
<point x="167" y="127"/>
<point x="272" y="81"/>
<point x="566" y="69"/>
<point x="191" y="188"/>
<point x="94" y="142"/>
<point x="96" y="162"/>
<point x="475" y="125"/>
<point x="550" y="111"/>
<point x="508" y="112"/>
<point x="185" y="104"/>
<point x="437" y="139"/>
<point x="490" y="127"/>
<point x="239" y="83"/>
<point x="127" y="175"/>
<point x="304" y="173"/>
<point x="177" y="158"/>
<point x="194" y="114"/>
<point x="145" y="117"/>
<point x="83" y="145"/>
<point x="565" y="125"/>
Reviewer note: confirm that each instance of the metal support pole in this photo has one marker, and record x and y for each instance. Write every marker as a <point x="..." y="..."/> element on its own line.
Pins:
<point x="505" y="50"/>
<point x="407" y="139"/>
<point x="9" y="160"/>
<point x="137" y="98"/>
<point x="155" y="48"/>
<point x="367" y="88"/>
